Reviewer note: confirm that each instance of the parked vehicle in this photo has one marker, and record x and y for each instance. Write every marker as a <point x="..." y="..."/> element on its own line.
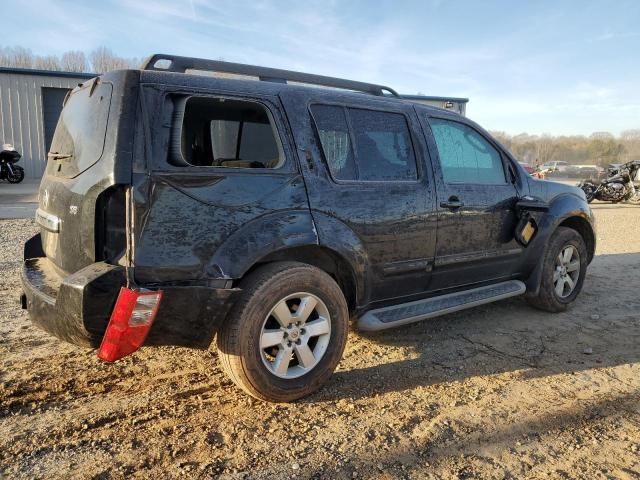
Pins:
<point x="590" y="172"/>
<point x="530" y="169"/>
<point x="269" y="214"/>
<point x="555" y="166"/>
<point x="618" y="187"/>
<point x="613" y="169"/>
<point x="533" y="171"/>
<point x="9" y="156"/>
<point x="539" y="174"/>
<point x="572" y="171"/>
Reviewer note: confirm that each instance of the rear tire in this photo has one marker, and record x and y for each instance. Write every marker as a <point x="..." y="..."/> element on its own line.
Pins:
<point x="286" y="333"/>
<point x="563" y="270"/>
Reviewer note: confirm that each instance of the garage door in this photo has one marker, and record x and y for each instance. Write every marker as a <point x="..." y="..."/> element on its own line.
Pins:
<point x="52" y="99"/>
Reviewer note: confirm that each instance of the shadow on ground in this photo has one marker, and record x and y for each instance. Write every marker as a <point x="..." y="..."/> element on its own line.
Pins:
<point x="602" y="329"/>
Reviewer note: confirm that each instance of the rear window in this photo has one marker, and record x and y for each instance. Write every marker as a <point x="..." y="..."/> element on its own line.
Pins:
<point x="219" y="132"/>
<point x="382" y="152"/>
<point x="78" y="141"/>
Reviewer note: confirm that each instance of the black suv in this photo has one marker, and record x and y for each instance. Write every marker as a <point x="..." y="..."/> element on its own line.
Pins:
<point x="256" y="207"/>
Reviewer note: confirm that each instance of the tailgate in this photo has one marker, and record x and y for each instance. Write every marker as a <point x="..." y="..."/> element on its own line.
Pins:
<point x="82" y="166"/>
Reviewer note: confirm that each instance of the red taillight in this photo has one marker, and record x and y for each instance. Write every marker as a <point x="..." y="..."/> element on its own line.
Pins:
<point x="130" y="323"/>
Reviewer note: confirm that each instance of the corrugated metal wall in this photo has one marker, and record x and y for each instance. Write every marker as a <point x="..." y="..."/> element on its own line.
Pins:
<point x="21" y="121"/>
<point x="458" y="107"/>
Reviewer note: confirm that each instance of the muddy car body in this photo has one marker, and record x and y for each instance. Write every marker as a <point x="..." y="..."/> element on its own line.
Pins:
<point x="245" y="205"/>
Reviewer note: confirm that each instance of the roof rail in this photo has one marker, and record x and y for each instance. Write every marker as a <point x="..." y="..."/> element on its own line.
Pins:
<point x="174" y="63"/>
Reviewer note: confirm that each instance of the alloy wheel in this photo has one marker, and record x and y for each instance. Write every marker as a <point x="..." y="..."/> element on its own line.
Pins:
<point x="567" y="271"/>
<point x="295" y="335"/>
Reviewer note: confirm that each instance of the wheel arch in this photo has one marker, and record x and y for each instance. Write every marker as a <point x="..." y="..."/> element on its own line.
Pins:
<point x="584" y="228"/>
<point x="327" y="260"/>
<point x="566" y="211"/>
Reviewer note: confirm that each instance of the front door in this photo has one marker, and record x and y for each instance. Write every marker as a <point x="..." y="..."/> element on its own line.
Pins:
<point x="476" y="199"/>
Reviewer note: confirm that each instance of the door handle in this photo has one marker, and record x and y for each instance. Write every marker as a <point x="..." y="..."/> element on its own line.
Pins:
<point x="453" y="203"/>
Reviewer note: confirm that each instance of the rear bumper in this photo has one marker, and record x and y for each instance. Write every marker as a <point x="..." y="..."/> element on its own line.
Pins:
<point x="77" y="308"/>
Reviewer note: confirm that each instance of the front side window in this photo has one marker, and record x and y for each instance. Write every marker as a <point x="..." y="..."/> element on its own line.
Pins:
<point x="381" y="149"/>
<point x="216" y="132"/>
<point x="465" y="156"/>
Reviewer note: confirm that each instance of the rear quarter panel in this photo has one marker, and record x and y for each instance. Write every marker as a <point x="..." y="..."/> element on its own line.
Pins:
<point x="199" y="224"/>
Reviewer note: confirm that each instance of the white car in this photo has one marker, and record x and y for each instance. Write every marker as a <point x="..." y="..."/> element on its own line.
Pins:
<point x="556" y="166"/>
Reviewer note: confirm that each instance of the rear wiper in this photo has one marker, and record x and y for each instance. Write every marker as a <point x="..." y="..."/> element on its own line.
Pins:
<point x="58" y="156"/>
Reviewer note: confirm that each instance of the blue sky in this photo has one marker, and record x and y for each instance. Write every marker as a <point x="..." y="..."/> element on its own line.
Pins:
<point x="562" y="67"/>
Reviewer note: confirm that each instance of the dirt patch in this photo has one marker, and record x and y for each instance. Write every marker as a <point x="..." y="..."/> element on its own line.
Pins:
<point x="500" y="391"/>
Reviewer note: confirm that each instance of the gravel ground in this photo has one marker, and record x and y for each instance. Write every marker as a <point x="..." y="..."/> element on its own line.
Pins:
<point x="500" y="391"/>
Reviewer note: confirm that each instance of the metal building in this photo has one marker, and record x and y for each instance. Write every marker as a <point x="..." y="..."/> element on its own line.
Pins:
<point x="30" y="104"/>
<point x="455" y="104"/>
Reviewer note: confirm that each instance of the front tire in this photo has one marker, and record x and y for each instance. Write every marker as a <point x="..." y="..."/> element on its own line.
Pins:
<point x="17" y="176"/>
<point x="286" y="333"/>
<point x="589" y="191"/>
<point x="563" y="270"/>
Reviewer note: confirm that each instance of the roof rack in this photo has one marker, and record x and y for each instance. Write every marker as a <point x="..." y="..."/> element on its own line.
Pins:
<point x="178" y="64"/>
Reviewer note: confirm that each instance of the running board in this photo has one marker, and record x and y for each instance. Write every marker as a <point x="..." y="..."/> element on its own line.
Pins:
<point x="396" y="315"/>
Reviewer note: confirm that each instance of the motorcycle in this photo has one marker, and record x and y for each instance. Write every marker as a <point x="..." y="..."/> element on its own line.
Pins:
<point x="9" y="156"/>
<point x="618" y="185"/>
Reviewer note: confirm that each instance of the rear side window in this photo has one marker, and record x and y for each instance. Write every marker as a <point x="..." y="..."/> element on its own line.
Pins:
<point x="465" y="156"/>
<point x="331" y="124"/>
<point x="383" y="149"/>
<point x="217" y="132"/>
<point x="79" y="137"/>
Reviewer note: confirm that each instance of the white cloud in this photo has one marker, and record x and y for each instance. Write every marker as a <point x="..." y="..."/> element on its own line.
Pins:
<point x="527" y="74"/>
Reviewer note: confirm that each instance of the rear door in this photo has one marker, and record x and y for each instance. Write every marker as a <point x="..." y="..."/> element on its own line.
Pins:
<point x="366" y="175"/>
<point x="476" y="200"/>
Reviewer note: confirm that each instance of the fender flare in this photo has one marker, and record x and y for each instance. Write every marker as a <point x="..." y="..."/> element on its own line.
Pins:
<point x="562" y="208"/>
<point x="335" y="235"/>
<point x="259" y="238"/>
<point x="279" y="236"/>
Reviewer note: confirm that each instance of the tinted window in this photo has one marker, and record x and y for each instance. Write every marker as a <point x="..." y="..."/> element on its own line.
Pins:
<point x="227" y="133"/>
<point x="465" y="156"/>
<point x="333" y="131"/>
<point x="383" y="149"/>
<point x="383" y="145"/>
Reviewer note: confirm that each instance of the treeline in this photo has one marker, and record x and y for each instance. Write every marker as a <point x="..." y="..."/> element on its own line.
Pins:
<point x="600" y="148"/>
<point x="99" y="60"/>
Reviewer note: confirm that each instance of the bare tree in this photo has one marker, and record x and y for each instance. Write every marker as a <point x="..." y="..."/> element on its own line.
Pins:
<point x="74" y="61"/>
<point x="4" y="57"/>
<point x="633" y="134"/>
<point x="47" y="62"/>
<point x="104" y="60"/>
<point x="601" y="136"/>
<point x="16" y="57"/>
<point x="100" y="60"/>
<point x="22" y="57"/>
<point x="545" y="149"/>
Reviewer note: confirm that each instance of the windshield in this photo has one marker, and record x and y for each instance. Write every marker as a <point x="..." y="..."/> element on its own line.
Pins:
<point x="79" y="138"/>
